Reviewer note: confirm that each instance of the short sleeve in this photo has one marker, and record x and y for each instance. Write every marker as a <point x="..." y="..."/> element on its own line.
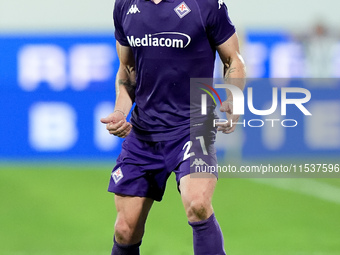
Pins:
<point x="118" y="12"/>
<point x="219" y="26"/>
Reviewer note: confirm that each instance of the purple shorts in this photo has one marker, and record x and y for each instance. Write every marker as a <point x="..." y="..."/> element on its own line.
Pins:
<point x="143" y="167"/>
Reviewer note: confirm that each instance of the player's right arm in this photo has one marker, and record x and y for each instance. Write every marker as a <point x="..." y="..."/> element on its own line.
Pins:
<point x="116" y="122"/>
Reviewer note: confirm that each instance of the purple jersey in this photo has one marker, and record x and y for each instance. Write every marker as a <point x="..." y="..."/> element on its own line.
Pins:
<point x="172" y="42"/>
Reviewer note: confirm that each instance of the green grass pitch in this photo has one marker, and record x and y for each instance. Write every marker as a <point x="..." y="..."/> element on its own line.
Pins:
<point x="51" y="209"/>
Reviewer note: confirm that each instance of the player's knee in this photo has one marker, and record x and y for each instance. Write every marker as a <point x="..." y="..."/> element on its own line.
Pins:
<point x="199" y="210"/>
<point x="126" y="233"/>
<point x="123" y="232"/>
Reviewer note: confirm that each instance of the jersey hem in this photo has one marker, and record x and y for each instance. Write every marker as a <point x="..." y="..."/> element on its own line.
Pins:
<point x="160" y="137"/>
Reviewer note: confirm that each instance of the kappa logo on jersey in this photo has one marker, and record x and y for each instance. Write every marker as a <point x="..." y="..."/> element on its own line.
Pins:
<point x="162" y="39"/>
<point x="199" y="162"/>
<point x="133" y="9"/>
<point x="117" y="175"/>
<point x="220" y="3"/>
<point x="182" y="9"/>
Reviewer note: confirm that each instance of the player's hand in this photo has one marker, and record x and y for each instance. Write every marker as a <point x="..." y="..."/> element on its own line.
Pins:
<point x="226" y="128"/>
<point x="117" y="125"/>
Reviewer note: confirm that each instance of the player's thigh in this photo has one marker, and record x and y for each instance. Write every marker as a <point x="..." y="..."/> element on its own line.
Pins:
<point x="197" y="190"/>
<point x="132" y="211"/>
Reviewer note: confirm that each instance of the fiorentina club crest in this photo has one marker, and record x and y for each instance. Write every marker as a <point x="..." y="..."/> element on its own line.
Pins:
<point x="117" y="175"/>
<point x="182" y="9"/>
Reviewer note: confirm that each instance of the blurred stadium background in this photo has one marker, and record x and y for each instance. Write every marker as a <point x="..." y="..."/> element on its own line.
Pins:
<point x="57" y="71"/>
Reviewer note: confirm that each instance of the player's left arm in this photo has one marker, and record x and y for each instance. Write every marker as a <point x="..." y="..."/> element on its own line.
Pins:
<point x="234" y="74"/>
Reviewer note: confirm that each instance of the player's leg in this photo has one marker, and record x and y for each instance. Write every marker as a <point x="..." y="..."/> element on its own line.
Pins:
<point x="132" y="213"/>
<point x="196" y="191"/>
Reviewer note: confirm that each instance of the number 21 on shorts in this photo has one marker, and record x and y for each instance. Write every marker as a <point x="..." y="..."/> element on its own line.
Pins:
<point x="187" y="146"/>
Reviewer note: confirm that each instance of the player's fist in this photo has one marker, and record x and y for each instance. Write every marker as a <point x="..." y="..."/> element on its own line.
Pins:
<point x="227" y="128"/>
<point x="116" y="124"/>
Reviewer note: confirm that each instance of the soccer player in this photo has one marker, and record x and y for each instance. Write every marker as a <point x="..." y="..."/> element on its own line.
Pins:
<point x="161" y="44"/>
